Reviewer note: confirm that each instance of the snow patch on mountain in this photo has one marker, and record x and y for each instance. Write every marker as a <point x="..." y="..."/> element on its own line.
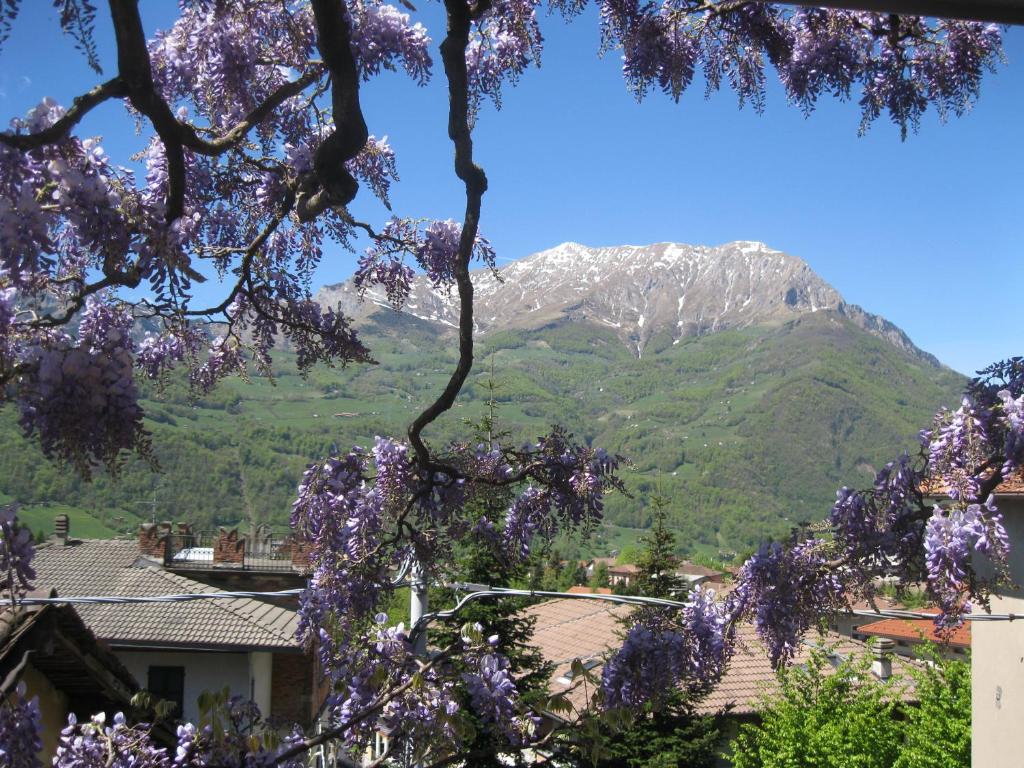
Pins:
<point x="638" y="290"/>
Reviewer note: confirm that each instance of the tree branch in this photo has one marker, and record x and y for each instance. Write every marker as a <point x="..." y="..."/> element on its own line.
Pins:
<point x="80" y="107"/>
<point x="453" y="53"/>
<point x="136" y="72"/>
<point x="335" y="186"/>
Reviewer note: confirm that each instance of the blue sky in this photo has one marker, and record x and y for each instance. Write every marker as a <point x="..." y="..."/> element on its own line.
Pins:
<point x="928" y="232"/>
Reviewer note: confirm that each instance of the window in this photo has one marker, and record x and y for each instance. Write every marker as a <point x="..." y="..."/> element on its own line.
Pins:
<point x="168" y="683"/>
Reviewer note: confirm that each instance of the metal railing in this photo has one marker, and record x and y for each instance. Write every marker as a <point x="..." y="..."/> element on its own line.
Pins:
<point x="261" y="551"/>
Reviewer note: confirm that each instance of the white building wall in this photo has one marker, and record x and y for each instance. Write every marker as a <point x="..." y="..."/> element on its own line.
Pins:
<point x="997" y="662"/>
<point x="261" y="671"/>
<point x="204" y="671"/>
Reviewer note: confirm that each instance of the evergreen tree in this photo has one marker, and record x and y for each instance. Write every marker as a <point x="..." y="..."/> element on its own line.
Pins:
<point x="600" y="577"/>
<point x="479" y="564"/>
<point x="657" y="560"/>
<point x="672" y="737"/>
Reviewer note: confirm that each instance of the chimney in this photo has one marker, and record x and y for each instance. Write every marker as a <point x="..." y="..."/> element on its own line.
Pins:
<point x="229" y="548"/>
<point x="153" y="540"/>
<point x="881" y="651"/>
<point x="62" y="528"/>
<point x="300" y="554"/>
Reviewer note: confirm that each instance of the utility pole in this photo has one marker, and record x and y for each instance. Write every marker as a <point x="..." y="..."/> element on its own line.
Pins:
<point x="419" y="605"/>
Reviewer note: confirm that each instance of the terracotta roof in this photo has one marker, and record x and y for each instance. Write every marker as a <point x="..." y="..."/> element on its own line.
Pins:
<point x="918" y="630"/>
<point x="113" y="567"/>
<point x="692" y="569"/>
<point x="569" y="629"/>
<point x="1011" y="486"/>
<point x="628" y="568"/>
<point x="750" y="673"/>
<point x="581" y="590"/>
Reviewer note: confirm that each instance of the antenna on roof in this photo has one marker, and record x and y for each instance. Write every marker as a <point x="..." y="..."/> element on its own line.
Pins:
<point x="152" y="506"/>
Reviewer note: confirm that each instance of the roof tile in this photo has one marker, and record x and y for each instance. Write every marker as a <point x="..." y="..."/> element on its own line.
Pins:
<point x="113" y="567"/>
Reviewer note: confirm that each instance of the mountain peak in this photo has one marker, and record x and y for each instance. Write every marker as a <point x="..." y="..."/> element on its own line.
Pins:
<point x="641" y="291"/>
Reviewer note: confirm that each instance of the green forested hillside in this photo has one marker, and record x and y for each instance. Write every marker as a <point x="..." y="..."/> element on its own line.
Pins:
<point x="747" y="431"/>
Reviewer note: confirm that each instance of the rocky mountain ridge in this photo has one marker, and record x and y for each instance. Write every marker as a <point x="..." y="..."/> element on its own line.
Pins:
<point x="638" y="292"/>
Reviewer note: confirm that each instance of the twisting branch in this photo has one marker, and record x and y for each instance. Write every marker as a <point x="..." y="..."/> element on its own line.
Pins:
<point x="80" y="107"/>
<point x="453" y="54"/>
<point x="234" y="135"/>
<point x="136" y="72"/>
<point x="335" y="185"/>
<point x="245" y="267"/>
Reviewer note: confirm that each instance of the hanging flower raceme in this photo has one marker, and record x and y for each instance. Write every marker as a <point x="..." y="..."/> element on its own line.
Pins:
<point x="952" y="537"/>
<point x="79" y="397"/>
<point x="16" y="552"/>
<point x="20" y="721"/>
<point x="492" y="691"/>
<point x="785" y="589"/>
<point x="664" y="650"/>
<point x="433" y="246"/>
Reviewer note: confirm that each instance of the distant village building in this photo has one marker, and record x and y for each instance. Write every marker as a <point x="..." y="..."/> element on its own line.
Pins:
<point x="909" y="634"/>
<point x="623" y="575"/>
<point x="177" y="650"/>
<point x="695" y="574"/>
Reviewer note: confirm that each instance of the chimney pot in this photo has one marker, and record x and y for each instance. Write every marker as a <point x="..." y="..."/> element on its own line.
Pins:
<point x="62" y="528"/>
<point x="881" y="650"/>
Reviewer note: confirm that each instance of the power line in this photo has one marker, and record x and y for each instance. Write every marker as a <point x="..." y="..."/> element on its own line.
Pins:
<point x="475" y="592"/>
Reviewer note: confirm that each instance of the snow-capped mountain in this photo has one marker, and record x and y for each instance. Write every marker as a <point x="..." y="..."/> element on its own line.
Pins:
<point x="639" y="291"/>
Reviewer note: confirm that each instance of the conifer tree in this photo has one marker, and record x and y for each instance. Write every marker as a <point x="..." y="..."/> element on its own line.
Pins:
<point x="658" y="561"/>
<point x="478" y="564"/>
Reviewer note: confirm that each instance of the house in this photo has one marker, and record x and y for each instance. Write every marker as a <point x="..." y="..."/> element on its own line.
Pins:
<point x="846" y="622"/>
<point x="568" y="630"/>
<point x="623" y="575"/>
<point x="909" y="634"/>
<point x="695" y="574"/>
<point x="177" y="650"/>
<point x="607" y="562"/>
<point x="51" y="651"/>
<point x="997" y="648"/>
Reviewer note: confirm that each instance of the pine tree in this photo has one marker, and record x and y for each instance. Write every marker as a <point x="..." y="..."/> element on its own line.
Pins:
<point x="658" y="561"/>
<point x="504" y="617"/>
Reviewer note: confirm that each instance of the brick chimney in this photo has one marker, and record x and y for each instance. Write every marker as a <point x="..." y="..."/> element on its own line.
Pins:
<point x="229" y="548"/>
<point x="300" y="554"/>
<point x="153" y="539"/>
<point x="62" y="529"/>
<point x="881" y="651"/>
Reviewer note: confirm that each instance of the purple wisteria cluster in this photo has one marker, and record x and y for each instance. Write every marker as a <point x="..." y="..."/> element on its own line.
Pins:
<point x="242" y="742"/>
<point x="786" y="590"/>
<point x="902" y="65"/>
<point x="20" y="721"/>
<point x="434" y="247"/>
<point x="951" y="537"/>
<point x="957" y="548"/>
<point x="366" y="513"/>
<point x="492" y="690"/>
<point x="16" y="552"/>
<point x="79" y="396"/>
<point x="664" y="649"/>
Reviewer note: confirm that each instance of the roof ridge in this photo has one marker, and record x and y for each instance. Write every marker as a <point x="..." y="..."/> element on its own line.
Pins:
<point x="198" y="587"/>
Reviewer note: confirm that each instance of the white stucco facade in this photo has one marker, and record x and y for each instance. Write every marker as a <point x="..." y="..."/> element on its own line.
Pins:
<point x="997" y="662"/>
<point x="246" y="674"/>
